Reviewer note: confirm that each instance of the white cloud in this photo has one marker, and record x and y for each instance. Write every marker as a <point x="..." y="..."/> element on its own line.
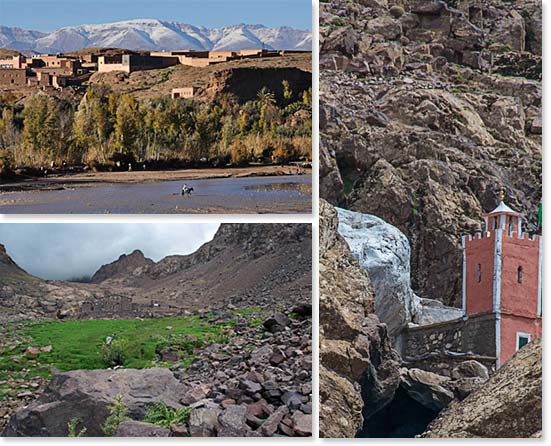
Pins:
<point x="67" y="251"/>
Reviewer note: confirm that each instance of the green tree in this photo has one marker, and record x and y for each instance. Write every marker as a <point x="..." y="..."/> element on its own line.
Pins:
<point x="46" y="130"/>
<point x="127" y="132"/>
<point x="287" y="93"/>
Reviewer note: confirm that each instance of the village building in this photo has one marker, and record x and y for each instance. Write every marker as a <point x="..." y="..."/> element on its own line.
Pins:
<point x="15" y="62"/>
<point x="133" y="62"/>
<point x="183" y="92"/>
<point x="13" y="76"/>
<point x="501" y="298"/>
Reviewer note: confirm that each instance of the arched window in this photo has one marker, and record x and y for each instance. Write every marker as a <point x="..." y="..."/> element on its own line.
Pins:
<point x="495" y="222"/>
<point x="479" y="273"/>
<point x="511" y="225"/>
<point x="519" y="274"/>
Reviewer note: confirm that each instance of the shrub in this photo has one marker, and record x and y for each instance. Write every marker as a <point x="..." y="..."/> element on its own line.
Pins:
<point x="240" y="154"/>
<point x="72" y="425"/>
<point x="284" y="151"/>
<point x="6" y="166"/>
<point x="115" y="353"/>
<point x="118" y="413"/>
<point x="184" y="344"/>
<point x="164" y="416"/>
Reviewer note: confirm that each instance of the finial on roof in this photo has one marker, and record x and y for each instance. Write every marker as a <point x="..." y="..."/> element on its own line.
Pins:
<point x="501" y="194"/>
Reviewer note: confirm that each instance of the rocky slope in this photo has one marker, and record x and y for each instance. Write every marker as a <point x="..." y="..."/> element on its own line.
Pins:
<point x="244" y="265"/>
<point x="509" y="405"/>
<point x="359" y="370"/>
<point x="152" y="34"/>
<point x="427" y="108"/>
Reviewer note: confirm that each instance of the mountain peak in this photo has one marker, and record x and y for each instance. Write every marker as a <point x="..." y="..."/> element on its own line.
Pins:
<point x="123" y="266"/>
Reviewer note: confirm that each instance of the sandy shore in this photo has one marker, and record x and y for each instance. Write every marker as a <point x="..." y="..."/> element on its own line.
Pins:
<point x="91" y="179"/>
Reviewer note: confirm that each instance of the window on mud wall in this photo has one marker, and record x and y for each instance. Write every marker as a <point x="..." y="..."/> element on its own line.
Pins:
<point x="479" y="273"/>
<point x="522" y="340"/>
<point x="519" y="274"/>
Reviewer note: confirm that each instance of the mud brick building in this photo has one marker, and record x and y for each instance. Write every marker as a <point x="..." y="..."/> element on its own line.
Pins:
<point x="501" y="297"/>
<point x="133" y="62"/>
<point x="15" y="62"/>
<point x="13" y="76"/>
<point x="184" y="92"/>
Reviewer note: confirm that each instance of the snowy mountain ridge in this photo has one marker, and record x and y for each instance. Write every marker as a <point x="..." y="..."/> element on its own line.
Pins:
<point x="153" y="34"/>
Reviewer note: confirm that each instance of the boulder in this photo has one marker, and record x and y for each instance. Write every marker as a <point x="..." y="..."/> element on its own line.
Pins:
<point x="508" y="405"/>
<point x="276" y="322"/>
<point x="426" y="388"/>
<point x="302" y="424"/>
<point x="203" y="422"/>
<point x="386" y="26"/>
<point x="233" y="422"/>
<point x="133" y="428"/>
<point x="269" y="427"/>
<point x="196" y="393"/>
<point x="384" y="252"/>
<point x="88" y="394"/>
<point x="470" y="369"/>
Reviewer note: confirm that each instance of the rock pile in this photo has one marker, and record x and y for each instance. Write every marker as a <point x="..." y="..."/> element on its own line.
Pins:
<point x="259" y="383"/>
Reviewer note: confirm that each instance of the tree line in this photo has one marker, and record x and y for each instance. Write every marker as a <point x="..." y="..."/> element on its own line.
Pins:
<point x="106" y="129"/>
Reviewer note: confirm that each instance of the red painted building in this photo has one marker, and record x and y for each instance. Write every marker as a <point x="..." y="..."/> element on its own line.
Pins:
<point x="502" y="276"/>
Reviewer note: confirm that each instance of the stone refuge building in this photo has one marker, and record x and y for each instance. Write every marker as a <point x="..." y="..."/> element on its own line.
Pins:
<point x="502" y="298"/>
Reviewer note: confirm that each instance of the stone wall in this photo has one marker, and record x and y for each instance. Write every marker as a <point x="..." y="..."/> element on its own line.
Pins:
<point x="123" y="307"/>
<point x="473" y="334"/>
<point x="443" y="363"/>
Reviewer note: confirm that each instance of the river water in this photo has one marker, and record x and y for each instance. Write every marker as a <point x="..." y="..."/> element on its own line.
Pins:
<point x="278" y="194"/>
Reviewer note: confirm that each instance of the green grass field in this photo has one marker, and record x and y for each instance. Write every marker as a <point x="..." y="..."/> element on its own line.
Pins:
<point x="81" y="344"/>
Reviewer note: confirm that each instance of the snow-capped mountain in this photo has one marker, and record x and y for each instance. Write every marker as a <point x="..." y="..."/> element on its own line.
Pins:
<point x="152" y="34"/>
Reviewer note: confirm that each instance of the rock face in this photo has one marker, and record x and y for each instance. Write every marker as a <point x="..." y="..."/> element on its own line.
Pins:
<point x="508" y="405"/>
<point x="245" y="83"/>
<point x="359" y="370"/>
<point x="385" y="254"/>
<point x="125" y="266"/>
<point x="87" y="394"/>
<point x="427" y="108"/>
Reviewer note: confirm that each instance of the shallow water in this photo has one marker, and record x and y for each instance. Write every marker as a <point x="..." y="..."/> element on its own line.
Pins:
<point x="225" y="196"/>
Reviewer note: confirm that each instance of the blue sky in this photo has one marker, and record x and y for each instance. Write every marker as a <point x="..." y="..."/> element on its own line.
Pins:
<point x="49" y="15"/>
